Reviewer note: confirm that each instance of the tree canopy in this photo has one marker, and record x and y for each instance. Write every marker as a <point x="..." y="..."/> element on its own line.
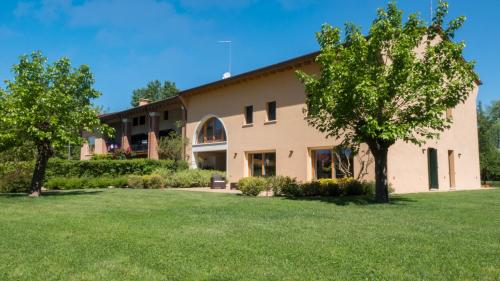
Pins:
<point x="154" y="91"/>
<point x="47" y="106"/>
<point x="393" y="84"/>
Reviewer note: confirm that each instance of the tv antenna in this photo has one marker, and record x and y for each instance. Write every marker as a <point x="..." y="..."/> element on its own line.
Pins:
<point x="431" y="9"/>
<point x="228" y="73"/>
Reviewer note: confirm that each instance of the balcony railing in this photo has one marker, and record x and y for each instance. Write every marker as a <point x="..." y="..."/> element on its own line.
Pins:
<point x="139" y="147"/>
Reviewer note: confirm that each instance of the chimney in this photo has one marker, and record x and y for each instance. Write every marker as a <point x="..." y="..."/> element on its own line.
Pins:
<point x="143" y="102"/>
<point x="226" y="75"/>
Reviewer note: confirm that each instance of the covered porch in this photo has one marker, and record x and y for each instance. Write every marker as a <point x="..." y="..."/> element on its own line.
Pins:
<point x="138" y="130"/>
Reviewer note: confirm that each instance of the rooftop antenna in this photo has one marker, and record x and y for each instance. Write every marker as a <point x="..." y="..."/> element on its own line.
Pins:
<point x="431" y="10"/>
<point x="228" y="73"/>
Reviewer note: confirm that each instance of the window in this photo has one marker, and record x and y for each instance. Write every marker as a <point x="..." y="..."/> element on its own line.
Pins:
<point x="322" y="163"/>
<point x="332" y="163"/>
<point x="137" y="121"/>
<point x="271" y="111"/>
<point x="262" y="164"/>
<point x="139" y="142"/>
<point x="211" y="131"/>
<point x="343" y="159"/>
<point x="165" y="115"/>
<point x="249" y="114"/>
<point x="91" y="141"/>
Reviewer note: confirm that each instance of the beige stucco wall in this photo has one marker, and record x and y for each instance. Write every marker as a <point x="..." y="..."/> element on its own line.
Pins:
<point x="407" y="163"/>
<point x="292" y="138"/>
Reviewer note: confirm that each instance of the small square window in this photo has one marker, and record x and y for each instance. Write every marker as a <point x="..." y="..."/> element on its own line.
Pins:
<point x="249" y="114"/>
<point x="142" y="120"/>
<point x="271" y="111"/>
<point x="135" y="121"/>
<point x="165" y="115"/>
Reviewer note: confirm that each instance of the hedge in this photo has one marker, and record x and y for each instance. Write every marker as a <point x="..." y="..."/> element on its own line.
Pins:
<point x="63" y="183"/>
<point x="103" y="168"/>
<point x="289" y="187"/>
<point x="188" y="178"/>
<point x="15" y="176"/>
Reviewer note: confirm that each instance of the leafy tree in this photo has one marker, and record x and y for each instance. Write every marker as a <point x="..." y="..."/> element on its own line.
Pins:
<point x="154" y="91"/>
<point x="378" y="89"/>
<point x="488" y="124"/>
<point x="47" y="106"/>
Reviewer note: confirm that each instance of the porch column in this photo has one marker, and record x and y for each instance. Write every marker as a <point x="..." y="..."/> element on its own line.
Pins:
<point x="85" y="151"/>
<point x="125" y="135"/>
<point x="153" y="133"/>
<point x="100" y="146"/>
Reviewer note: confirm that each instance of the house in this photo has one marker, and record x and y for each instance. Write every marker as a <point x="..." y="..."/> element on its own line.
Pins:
<point x="253" y="124"/>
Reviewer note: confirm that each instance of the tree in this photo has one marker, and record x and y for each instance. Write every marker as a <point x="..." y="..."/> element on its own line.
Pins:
<point x="47" y="106"/>
<point x="379" y="88"/>
<point x="488" y="124"/>
<point x="154" y="91"/>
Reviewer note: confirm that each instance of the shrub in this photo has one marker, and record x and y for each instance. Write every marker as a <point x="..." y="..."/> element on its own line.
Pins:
<point x="153" y="181"/>
<point x="171" y="146"/>
<point x="330" y="187"/>
<point x="369" y="187"/>
<point x="312" y="188"/>
<point x="15" y="176"/>
<point x="252" y="186"/>
<point x="354" y="187"/>
<point x="60" y="183"/>
<point x="279" y="183"/>
<point x="107" y="156"/>
<point x="190" y="178"/>
<point x="110" y="168"/>
<point x="135" y="181"/>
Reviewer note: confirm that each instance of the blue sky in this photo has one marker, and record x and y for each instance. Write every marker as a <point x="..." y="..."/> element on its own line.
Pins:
<point x="129" y="42"/>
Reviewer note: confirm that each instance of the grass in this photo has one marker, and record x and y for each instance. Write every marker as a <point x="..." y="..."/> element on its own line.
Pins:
<point x="179" y="235"/>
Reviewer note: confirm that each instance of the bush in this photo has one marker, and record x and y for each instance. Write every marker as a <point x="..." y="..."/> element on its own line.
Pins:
<point x="15" y="176"/>
<point x="172" y="146"/>
<point x="352" y="187"/>
<point x="330" y="187"/>
<point x="313" y="188"/>
<point x="279" y="183"/>
<point x="188" y="178"/>
<point x="153" y="181"/>
<point x="107" y="156"/>
<point x="369" y="187"/>
<point x="252" y="186"/>
<point x="109" y="168"/>
<point x="60" y="183"/>
<point x="135" y="181"/>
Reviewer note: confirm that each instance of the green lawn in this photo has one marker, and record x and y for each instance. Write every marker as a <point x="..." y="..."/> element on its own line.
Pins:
<point x="180" y="235"/>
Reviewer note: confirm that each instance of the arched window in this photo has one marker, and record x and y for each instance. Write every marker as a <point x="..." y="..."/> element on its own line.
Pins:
<point x="211" y="131"/>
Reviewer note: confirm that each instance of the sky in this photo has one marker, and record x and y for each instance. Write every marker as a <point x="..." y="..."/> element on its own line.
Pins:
<point x="127" y="43"/>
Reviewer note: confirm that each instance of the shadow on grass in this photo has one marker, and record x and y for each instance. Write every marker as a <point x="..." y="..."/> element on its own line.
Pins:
<point x="55" y="193"/>
<point x="354" y="200"/>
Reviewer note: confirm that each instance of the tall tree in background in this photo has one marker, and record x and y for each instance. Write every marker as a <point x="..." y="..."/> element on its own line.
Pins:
<point x="154" y="91"/>
<point x="47" y="106"/>
<point x="488" y="124"/>
<point x="377" y="89"/>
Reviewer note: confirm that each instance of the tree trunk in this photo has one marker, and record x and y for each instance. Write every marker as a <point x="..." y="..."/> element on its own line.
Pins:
<point x="43" y="155"/>
<point x="380" y="151"/>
